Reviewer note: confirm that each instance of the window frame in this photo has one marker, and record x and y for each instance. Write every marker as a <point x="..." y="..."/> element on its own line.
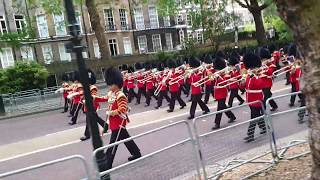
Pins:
<point x="9" y="62"/>
<point x="139" y="43"/>
<point x="136" y="17"/>
<point x="109" y="25"/>
<point x="46" y="27"/>
<point x="116" y="46"/>
<point x="154" y="40"/>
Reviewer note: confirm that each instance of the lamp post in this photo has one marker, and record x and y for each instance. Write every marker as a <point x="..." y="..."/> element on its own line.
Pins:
<point x="77" y="48"/>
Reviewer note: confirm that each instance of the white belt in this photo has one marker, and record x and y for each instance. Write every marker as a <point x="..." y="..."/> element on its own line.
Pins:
<point x="253" y="91"/>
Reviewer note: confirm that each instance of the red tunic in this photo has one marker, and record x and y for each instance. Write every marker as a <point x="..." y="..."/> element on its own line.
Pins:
<point x="131" y="84"/>
<point x="175" y="86"/>
<point x="117" y="102"/>
<point x="236" y="75"/>
<point x="295" y="78"/>
<point x="195" y="77"/>
<point x="267" y="79"/>
<point x="206" y="73"/>
<point x="163" y="85"/>
<point x="149" y="82"/>
<point x="140" y="80"/>
<point x="254" y="86"/>
<point x="220" y="92"/>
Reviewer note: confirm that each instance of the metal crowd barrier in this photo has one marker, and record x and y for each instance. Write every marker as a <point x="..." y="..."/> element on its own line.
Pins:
<point x="174" y="161"/>
<point x="50" y="163"/>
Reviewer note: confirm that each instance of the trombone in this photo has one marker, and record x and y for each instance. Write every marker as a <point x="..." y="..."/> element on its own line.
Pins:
<point x="162" y="83"/>
<point x="210" y="77"/>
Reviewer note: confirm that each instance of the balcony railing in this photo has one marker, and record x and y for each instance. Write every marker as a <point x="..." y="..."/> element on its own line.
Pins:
<point x="111" y="27"/>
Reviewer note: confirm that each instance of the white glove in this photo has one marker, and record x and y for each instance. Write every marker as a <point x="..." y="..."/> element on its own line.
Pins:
<point x="60" y="90"/>
<point x="70" y="96"/>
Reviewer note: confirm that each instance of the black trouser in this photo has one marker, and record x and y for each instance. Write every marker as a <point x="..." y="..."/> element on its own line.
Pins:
<point x="196" y="99"/>
<point x="150" y="93"/>
<point x="183" y="89"/>
<point x="131" y="94"/>
<point x="175" y="96"/>
<point x="111" y="151"/>
<point x="78" y="107"/>
<point x="209" y="91"/>
<point x="160" y="97"/>
<point x="125" y="91"/>
<point x="73" y="108"/>
<point x="234" y="94"/>
<point x="187" y="87"/>
<point x="288" y="78"/>
<point x="66" y="101"/>
<point x="256" y="112"/>
<point x="268" y="94"/>
<point x="221" y="106"/>
<point x="99" y="121"/>
<point x="293" y="97"/>
<point x="141" y="90"/>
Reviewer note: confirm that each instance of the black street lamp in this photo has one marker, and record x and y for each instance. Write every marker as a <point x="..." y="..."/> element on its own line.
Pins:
<point x="91" y="118"/>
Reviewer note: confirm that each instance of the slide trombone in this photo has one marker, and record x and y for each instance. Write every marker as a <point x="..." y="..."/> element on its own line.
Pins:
<point x="210" y="77"/>
<point x="162" y="83"/>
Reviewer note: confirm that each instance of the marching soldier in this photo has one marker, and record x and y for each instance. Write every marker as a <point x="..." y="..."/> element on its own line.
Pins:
<point x="254" y="86"/>
<point x="96" y="105"/>
<point x="77" y="104"/>
<point x="149" y="79"/>
<point x="174" y="88"/>
<point x="221" y="92"/>
<point x="196" y="90"/>
<point x="162" y="84"/>
<point x="140" y="83"/>
<point x="125" y="79"/>
<point x="65" y="90"/>
<point x="295" y="75"/>
<point x="131" y="85"/>
<point x="235" y="74"/>
<point x="208" y="84"/>
<point x="118" y="118"/>
<point x="266" y="76"/>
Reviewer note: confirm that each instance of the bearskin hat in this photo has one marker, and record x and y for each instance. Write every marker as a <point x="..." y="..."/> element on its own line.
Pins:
<point x="179" y="62"/>
<point x="130" y="69"/>
<point x="219" y="63"/>
<point x="264" y="53"/>
<point x="171" y="64"/>
<point x="92" y="77"/>
<point x="154" y="65"/>
<point x="113" y="76"/>
<point x="160" y="66"/>
<point x="220" y="54"/>
<point x="194" y="62"/>
<point x="251" y="61"/>
<point x="65" y="77"/>
<point x="292" y="50"/>
<point x="186" y="60"/>
<point x="234" y="60"/>
<point x="147" y="66"/>
<point x="208" y="59"/>
<point x="138" y="66"/>
<point x="75" y="76"/>
<point x="124" y="67"/>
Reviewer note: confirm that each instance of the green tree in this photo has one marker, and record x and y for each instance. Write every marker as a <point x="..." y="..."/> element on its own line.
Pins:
<point x="23" y="76"/>
<point x="303" y="19"/>
<point x="256" y="7"/>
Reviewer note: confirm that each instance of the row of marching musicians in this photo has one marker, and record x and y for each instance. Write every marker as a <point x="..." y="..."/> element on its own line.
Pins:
<point x="213" y="75"/>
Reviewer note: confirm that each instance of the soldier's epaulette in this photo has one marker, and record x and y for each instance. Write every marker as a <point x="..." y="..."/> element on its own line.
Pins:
<point x="120" y="94"/>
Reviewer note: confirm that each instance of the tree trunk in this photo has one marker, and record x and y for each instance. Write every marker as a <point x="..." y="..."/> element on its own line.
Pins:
<point x="303" y="18"/>
<point x="98" y="29"/>
<point x="260" y="31"/>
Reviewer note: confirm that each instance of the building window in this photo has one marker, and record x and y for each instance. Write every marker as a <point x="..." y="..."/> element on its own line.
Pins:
<point x="96" y="49"/>
<point x="127" y="45"/>
<point x="113" y="47"/>
<point x="180" y="19"/>
<point x="139" y="19"/>
<point x="123" y="19"/>
<point x="59" y="25"/>
<point x="42" y="26"/>
<point x="47" y="54"/>
<point x="169" y="41"/>
<point x="181" y="37"/>
<point x="190" y="36"/>
<point x="20" y="23"/>
<point x="142" y="43"/>
<point x="3" y="25"/>
<point x="166" y="21"/>
<point x="153" y="16"/>
<point x="26" y="53"/>
<point x="79" y="22"/>
<point x="64" y="56"/>
<point x="6" y="57"/>
<point x="108" y="16"/>
<point x="156" y="42"/>
<point x="199" y="37"/>
<point x="189" y="20"/>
